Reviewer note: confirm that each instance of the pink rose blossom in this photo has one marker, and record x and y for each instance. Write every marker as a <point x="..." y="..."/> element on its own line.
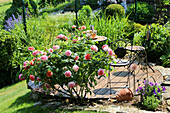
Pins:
<point x="87" y="56"/>
<point x="68" y="53"/>
<point x="47" y="85"/>
<point x="38" y="59"/>
<point x="65" y="38"/>
<point x="56" y="47"/>
<point x="32" y="63"/>
<point x="32" y="77"/>
<point x="64" y="68"/>
<point x="35" y="53"/>
<point x="38" y="79"/>
<point x="31" y="48"/>
<point x="105" y="47"/>
<point x="133" y="67"/>
<point x="71" y="84"/>
<point x="76" y="58"/>
<point x="74" y="40"/>
<point x="83" y="27"/>
<point x="110" y="52"/>
<point x="61" y="36"/>
<point x="44" y="53"/>
<point x="50" y="50"/>
<point x="68" y="73"/>
<point x="101" y="72"/>
<point x="94" y="48"/>
<point x="21" y="77"/>
<point x="40" y="52"/>
<point x="74" y="26"/>
<point x="44" y="58"/>
<point x="75" y="68"/>
<point x="26" y="64"/>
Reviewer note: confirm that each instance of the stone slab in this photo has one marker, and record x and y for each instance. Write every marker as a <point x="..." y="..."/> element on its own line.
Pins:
<point x="166" y="83"/>
<point x="168" y="102"/>
<point x="166" y="96"/>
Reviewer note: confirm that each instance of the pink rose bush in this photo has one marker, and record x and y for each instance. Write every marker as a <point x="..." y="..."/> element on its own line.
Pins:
<point x="70" y="65"/>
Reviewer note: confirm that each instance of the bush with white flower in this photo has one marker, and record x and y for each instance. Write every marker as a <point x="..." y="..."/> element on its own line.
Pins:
<point x="73" y="67"/>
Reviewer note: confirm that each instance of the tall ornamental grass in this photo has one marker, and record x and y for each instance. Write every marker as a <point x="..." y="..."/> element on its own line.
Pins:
<point x="113" y="28"/>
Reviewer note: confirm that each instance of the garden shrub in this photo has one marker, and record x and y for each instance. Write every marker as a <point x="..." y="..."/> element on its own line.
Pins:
<point x="10" y="57"/>
<point x="114" y="10"/>
<point x="76" y="63"/>
<point x="138" y="27"/>
<point x="145" y="12"/>
<point x="84" y="14"/>
<point x="159" y="42"/>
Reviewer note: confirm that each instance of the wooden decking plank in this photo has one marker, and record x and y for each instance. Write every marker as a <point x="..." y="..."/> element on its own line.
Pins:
<point x="99" y="86"/>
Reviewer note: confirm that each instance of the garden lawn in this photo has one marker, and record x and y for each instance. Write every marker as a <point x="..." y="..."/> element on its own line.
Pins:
<point x="17" y="99"/>
<point x="4" y="5"/>
<point x="5" y="1"/>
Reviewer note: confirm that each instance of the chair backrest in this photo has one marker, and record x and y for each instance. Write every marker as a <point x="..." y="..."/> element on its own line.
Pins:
<point x="119" y="47"/>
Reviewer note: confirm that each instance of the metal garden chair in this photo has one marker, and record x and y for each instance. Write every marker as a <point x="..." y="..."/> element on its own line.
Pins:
<point x="123" y="58"/>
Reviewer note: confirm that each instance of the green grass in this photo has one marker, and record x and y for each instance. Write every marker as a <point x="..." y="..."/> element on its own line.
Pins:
<point x="17" y="99"/>
<point x="4" y="5"/>
<point x="5" y="1"/>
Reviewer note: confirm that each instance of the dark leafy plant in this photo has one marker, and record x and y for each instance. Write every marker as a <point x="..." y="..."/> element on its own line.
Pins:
<point x="158" y="44"/>
<point x="145" y="12"/>
<point x="166" y="59"/>
<point x="92" y="3"/>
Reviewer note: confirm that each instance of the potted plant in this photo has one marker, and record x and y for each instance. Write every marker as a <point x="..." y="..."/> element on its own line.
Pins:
<point x="151" y="94"/>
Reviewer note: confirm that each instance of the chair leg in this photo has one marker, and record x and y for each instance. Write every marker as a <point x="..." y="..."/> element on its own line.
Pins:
<point x="109" y="81"/>
<point x="150" y="67"/>
<point x="134" y="90"/>
<point x="128" y="82"/>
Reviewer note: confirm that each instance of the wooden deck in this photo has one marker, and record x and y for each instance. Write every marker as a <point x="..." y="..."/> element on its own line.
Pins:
<point x="119" y="77"/>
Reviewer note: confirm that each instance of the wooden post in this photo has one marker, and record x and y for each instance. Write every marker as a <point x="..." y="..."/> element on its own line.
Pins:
<point x="24" y="18"/>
